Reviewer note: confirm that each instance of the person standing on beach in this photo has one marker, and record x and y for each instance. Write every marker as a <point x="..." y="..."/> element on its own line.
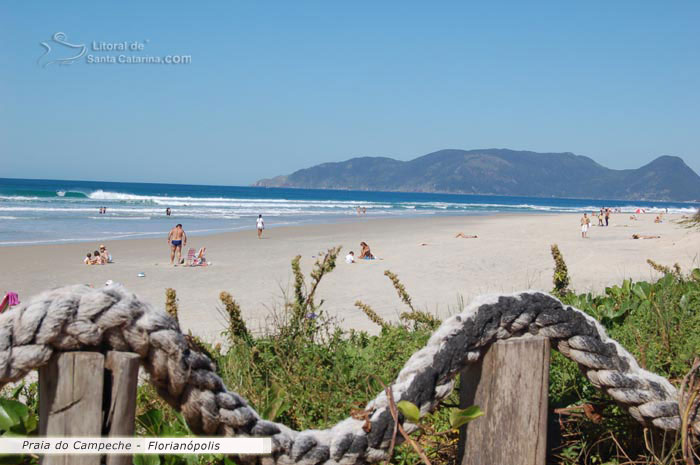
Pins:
<point x="261" y="226"/>
<point x="607" y="216"/>
<point x="177" y="238"/>
<point x="585" y="221"/>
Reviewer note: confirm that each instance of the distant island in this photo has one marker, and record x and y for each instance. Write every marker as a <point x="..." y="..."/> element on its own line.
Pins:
<point x="502" y="172"/>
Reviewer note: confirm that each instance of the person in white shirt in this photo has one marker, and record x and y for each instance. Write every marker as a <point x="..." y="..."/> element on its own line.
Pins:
<point x="350" y="258"/>
<point x="261" y="226"/>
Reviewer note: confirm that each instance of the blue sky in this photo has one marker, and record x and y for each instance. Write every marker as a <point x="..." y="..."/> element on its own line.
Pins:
<point x="277" y="86"/>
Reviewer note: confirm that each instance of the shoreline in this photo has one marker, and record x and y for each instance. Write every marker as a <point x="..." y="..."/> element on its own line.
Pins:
<point x="510" y="254"/>
<point x="350" y="218"/>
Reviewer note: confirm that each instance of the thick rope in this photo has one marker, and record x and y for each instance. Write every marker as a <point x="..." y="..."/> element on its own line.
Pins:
<point x="111" y="318"/>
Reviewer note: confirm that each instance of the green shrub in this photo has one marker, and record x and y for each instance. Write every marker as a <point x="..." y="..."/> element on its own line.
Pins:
<point x="307" y="372"/>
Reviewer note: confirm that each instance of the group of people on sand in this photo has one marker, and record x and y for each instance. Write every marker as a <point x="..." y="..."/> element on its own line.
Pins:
<point x="603" y="220"/>
<point x="98" y="257"/>
<point x="365" y="254"/>
<point x="177" y="238"/>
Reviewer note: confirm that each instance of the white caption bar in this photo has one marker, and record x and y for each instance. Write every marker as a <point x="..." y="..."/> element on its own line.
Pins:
<point x="163" y="446"/>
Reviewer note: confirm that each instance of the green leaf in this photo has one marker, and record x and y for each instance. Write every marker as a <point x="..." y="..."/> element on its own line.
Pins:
<point x="275" y="400"/>
<point x="459" y="417"/>
<point x="638" y="290"/>
<point x="191" y="459"/>
<point x="695" y="274"/>
<point x="16" y="391"/>
<point x="146" y="459"/>
<point x="409" y="410"/>
<point x="12" y="459"/>
<point x="30" y="424"/>
<point x="644" y="307"/>
<point x="626" y="286"/>
<point x="11" y="413"/>
<point x="152" y="421"/>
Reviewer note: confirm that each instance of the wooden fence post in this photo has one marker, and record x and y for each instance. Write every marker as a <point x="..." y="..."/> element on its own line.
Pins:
<point x="90" y="395"/>
<point x="122" y="369"/>
<point x="70" y="401"/>
<point x="510" y="384"/>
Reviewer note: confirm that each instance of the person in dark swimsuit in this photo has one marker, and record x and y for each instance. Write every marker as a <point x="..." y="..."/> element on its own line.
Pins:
<point x="177" y="238"/>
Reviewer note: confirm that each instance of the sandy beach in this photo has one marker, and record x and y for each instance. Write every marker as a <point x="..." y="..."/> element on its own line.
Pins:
<point x="511" y="253"/>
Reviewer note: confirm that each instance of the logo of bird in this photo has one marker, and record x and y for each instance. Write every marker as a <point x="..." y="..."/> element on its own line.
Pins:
<point x="59" y="41"/>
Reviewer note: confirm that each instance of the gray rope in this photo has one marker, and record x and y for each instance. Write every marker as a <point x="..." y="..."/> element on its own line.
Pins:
<point x="82" y="318"/>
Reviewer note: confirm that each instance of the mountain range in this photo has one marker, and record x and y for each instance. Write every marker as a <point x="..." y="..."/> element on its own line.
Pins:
<point x="502" y="172"/>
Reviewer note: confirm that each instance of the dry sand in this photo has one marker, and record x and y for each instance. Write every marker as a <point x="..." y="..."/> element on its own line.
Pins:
<point x="510" y="254"/>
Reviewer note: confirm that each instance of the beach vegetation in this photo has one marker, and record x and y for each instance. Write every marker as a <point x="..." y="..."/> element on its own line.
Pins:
<point x="560" y="278"/>
<point x="305" y="371"/>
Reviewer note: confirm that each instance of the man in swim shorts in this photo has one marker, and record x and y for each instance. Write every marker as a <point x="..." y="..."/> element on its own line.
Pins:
<point x="177" y="238"/>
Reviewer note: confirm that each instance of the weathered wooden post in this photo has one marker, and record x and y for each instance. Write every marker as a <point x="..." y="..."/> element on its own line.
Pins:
<point x="122" y="370"/>
<point x="510" y="384"/>
<point x="90" y="395"/>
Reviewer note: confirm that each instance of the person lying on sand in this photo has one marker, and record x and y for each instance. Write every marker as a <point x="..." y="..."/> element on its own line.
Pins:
<point x="365" y="252"/>
<point x="466" y="236"/>
<point x="644" y="236"/>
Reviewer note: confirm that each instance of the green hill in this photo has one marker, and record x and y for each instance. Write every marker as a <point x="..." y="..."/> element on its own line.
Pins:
<point x="502" y="172"/>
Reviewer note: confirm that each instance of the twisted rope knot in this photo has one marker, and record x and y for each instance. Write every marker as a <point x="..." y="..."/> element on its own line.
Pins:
<point x="82" y="318"/>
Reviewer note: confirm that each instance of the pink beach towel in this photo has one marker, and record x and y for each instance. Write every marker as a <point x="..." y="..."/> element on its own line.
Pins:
<point x="10" y="300"/>
<point x="13" y="299"/>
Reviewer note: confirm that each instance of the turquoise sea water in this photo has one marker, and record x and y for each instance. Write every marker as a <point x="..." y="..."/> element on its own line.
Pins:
<point x="53" y="211"/>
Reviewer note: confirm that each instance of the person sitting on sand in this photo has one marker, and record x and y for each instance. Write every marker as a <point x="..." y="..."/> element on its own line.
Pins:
<point x="365" y="252"/>
<point x="466" y="236"/>
<point x="104" y="255"/>
<point x="88" y="259"/>
<point x="350" y="258"/>
<point x="644" y="236"/>
<point x="96" y="259"/>
<point x="657" y="219"/>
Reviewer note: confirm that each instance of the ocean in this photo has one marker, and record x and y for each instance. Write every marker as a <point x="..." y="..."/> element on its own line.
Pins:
<point x="54" y="211"/>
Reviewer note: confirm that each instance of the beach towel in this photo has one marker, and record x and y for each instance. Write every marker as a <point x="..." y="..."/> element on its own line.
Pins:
<point x="10" y="300"/>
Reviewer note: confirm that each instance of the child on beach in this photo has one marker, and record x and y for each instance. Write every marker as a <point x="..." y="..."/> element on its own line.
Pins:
<point x="96" y="259"/>
<point x="261" y="225"/>
<point x="88" y="259"/>
<point x="350" y="258"/>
